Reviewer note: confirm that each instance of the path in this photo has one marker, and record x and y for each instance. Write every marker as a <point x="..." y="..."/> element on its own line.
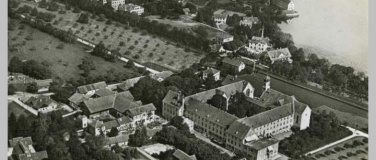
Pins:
<point x="355" y="133"/>
<point x="200" y="136"/>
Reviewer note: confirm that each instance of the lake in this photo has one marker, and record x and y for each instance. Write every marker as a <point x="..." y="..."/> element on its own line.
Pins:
<point x="334" y="29"/>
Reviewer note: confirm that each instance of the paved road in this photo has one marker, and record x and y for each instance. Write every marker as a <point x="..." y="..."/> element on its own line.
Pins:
<point x="200" y="136"/>
<point x="355" y="133"/>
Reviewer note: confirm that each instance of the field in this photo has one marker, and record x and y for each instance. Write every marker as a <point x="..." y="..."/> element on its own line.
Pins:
<point x="156" y="148"/>
<point x="64" y="62"/>
<point x="352" y="120"/>
<point x="359" y="152"/>
<point x="142" y="47"/>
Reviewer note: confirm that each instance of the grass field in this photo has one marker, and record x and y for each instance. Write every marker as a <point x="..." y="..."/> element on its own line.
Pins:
<point x="352" y="120"/>
<point x="354" y="152"/>
<point x="142" y="46"/>
<point x="64" y="62"/>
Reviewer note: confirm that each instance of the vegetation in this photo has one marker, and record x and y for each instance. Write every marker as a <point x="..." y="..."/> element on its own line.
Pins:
<point x="30" y="68"/>
<point x="324" y="129"/>
<point x="139" y="138"/>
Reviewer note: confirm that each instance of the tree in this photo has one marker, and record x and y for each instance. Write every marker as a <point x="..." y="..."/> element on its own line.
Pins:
<point x="76" y="150"/>
<point x="178" y="122"/>
<point x="104" y="154"/>
<point x="114" y="132"/>
<point x="84" y="18"/>
<point x="11" y="89"/>
<point x="139" y="138"/>
<point x="58" y="150"/>
<point x="32" y="88"/>
<point x="219" y="102"/>
<point x="210" y="82"/>
<point x="40" y="131"/>
<point x="23" y="126"/>
<point x="15" y="65"/>
<point x="95" y="142"/>
<point x="12" y="125"/>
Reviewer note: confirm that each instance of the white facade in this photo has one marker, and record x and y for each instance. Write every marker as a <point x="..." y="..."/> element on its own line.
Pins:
<point x="241" y="67"/>
<point x="220" y="20"/>
<point x="291" y="6"/>
<point x="216" y="76"/>
<point x="49" y="108"/>
<point x="302" y="120"/>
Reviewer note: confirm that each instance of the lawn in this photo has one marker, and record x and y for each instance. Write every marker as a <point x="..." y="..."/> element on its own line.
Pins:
<point x="17" y="110"/>
<point x="348" y="151"/>
<point x="352" y="120"/>
<point x="157" y="148"/>
<point x="39" y="46"/>
<point x="142" y="47"/>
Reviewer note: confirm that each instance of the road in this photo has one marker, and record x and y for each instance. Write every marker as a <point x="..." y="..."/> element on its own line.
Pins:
<point x="28" y="108"/>
<point x="355" y="133"/>
<point x="202" y="137"/>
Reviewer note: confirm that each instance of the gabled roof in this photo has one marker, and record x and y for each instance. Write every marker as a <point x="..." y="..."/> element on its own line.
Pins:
<point x="124" y="102"/>
<point x="78" y="98"/>
<point x="100" y="104"/>
<point x="23" y="149"/>
<point x="211" y="70"/>
<point x="142" y="109"/>
<point x="279" y="54"/>
<point x="263" y="40"/>
<point x="103" y="92"/>
<point x="128" y="83"/>
<point x="171" y="98"/>
<point x="232" y="62"/>
<point x="43" y="83"/>
<point x="39" y="102"/>
<point x="209" y="112"/>
<point x="118" y="139"/>
<point x="229" y="89"/>
<point x="269" y="116"/>
<point x="240" y="130"/>
<point x="257" y="81"/>
<point x="162" y="75"/>
<point x="180" y="155"/>
<point x="86" y="88"/>
<point x="299" y="106"/>
<point x="111" y="124"/>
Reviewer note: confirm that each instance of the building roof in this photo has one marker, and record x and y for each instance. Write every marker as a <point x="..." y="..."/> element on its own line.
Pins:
<point x="118" y="139"/>
<point x="180" y="155"/>
<point x="272" y="98"/>
<point x="161" y="75"/>
<point x="96" y="123"/>
<point x="250" y="20"/>
<point x="23" y="149"/>
<point x="44" y="83"/>
<point x="269" y="116"/>
<point x="257" y="81"/>
<point x="111" y="124"/>
<point x="211" y="70"/>
<point x="40" y="101"/>
<point x="262" y="143"/>
<point x="124" y="120"/>
<point x="86" y="88"/>
<point x="172" y="98"/>
<point x="100" y="104"/>
<point x="283" y="4"/>
<point x="128" y="83"/>
<point x="124" y="102"/>
<point x="228" y="90"/>
<point x="78" y="98"/>
<point x="299" y="106"/>
<point x="103" y="92"/>
<point x="263" y="40"/>
<point x="232" y="62"/>
<point x="209" y="112"/>
<point x="142" y="109"/>
<point x="240" y="130"/>
<point x="279" y="54"/>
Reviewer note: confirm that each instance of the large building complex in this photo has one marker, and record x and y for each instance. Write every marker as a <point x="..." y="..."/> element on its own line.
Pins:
<point x="251" y="135"/>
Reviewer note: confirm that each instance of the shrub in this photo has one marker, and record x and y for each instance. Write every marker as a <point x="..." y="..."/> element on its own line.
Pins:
<point x="131" y="47"/>
<point x="104" y="29"/>
<point x="140" y="51"/>
<point x="62" y="12"/>
<point x="122" y="43"/>
<point x="11" y="89"/>
<point x="135" y="42"/>
<point x="349" y="154"/>
<point x="128" y="39"/>
<point x="187" y="50"/>
<point x="82" y="28"/>
<point x="147" y="41"/>
<point x="338" y="149"/>
<point x="160" y="59"/>
<point x="55" y="23"/>
<point x="90" y="31"/>
<point x="157" y="45"/>
<point x="105" y="37"/>
<point x="365" y="140"/>
<point x="29" y="37"/>
<point x="163" y="53"/>
<point x="75" y="25"/>
<point x="97" y="34"/>
<point x="21" y="27"/>
<point x="347" y="145"/>
<point x="60" y="46"/>
<point x="33" y="48"/>
<point x="127" y="53"/>
<point x="32" y="88"/>
<point x="143" y="33"/>
<point x="171" y="63"/>
<point x="145" y="46"/>
<point x="151" y="54"/>
<point x="135" y="30"/>
<point x="136" y="56"/>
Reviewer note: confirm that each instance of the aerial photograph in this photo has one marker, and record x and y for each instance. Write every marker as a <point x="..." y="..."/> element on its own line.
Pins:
<point x="187" y="80"/>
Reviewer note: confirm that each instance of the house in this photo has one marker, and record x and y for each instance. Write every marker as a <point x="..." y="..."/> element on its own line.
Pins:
<point x="115" y="3"/>
<point x="223" y="37"/>
<point x="21" y="148"/>
<point x="161" y="76"/>
<point x="233" y="64"/>
<point x="132" y="8"/>
<point x="279" y="55"/>
<point x="220" y="18"/>
<point x="180" y="155"/>
<point x="258" y="45"/>
<point x="211" y="71"/>
<point x="102" y="92"/>
<point x="42" y="104"/>
<point x="249" y="21"/>
<point x="142" y="114"/>
<point x="251" y="135"/>
<point x="120" y="140"/>
<point x="91" y="88"/>
<point x="124" y="86"/>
